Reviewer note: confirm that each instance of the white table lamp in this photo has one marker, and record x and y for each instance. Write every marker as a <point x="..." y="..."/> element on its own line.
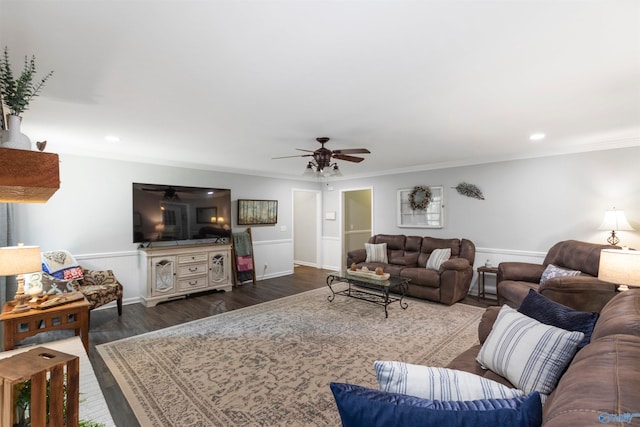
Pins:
<point x="620" y="266"/>
<point x="20" y="260"/>
<point x="614" y="220"/>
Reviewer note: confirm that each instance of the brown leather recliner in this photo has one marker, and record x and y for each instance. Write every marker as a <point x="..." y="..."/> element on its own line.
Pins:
<point x="583" y="292"/>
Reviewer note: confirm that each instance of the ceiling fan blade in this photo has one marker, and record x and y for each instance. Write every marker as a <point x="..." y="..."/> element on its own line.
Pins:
<point x="348" y="158"/>
<point x="288" y="157"/>
<point x="352" y="151"/>
<point x="302" y="149"/>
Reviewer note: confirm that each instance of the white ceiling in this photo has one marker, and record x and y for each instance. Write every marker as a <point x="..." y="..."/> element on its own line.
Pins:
<point x="229" y="84"/>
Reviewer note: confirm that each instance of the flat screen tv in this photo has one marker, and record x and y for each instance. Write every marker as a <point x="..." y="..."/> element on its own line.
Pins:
<point x="173" y="213"/>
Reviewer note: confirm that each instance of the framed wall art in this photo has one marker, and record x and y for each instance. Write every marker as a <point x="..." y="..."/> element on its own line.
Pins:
<point x="256" y="212"/>
<point x="421" y="207"/>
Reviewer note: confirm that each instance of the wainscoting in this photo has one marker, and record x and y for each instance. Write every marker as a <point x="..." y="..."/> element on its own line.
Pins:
<point x="273" y="258"/>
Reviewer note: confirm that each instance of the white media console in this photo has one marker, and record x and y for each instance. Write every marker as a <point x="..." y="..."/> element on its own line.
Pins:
<point x="176" y="271"/>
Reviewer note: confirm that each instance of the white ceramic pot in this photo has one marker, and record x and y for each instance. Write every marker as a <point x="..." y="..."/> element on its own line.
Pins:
<point x="12" y="138"/>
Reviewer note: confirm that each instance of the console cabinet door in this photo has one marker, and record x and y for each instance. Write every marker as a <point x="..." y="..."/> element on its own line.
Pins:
<point x="219" y="267"/>
<point x="163" y="275"/>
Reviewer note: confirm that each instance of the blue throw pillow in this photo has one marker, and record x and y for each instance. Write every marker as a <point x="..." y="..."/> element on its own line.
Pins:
<point x="552" y="313"/>
<point x="360" y="407"/>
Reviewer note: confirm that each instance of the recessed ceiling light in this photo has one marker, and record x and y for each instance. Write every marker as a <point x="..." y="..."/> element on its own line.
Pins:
<point x="112" y="138"/>
<point x="537" y="136"/>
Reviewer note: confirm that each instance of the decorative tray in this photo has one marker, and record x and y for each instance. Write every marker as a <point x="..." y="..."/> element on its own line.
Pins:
<point x="369" y="274"/>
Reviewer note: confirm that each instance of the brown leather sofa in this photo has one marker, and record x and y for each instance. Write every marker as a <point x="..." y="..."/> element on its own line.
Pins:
<point x="602" y="383"/>
<point x="408" y="255"/>
<point x="584" y="292"/>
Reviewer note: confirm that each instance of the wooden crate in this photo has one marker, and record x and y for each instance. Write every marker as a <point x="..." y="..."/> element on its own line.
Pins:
<point x="39" y="365"/>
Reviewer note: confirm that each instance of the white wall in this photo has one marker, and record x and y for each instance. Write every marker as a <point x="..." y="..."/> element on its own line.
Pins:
<point x="529" y="204"/>
<point x="91" y="215"/>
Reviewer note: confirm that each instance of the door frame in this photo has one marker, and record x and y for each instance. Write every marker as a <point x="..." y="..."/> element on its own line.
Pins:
<point x="342" y="217"/>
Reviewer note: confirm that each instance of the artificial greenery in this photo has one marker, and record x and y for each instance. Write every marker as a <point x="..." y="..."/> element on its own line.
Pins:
<point x="18" y="93"/>
<point x="469" y="190"/>
<point x="420" y="197"/>
<point x="22" y="400"/>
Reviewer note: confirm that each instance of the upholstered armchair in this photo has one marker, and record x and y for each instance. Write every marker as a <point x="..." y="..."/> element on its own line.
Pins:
<point x="100" y="287"/>
<point x="61" y="273"/>
<point x="574" y="283"/>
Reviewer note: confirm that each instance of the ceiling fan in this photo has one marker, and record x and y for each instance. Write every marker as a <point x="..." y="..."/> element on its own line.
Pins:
<point x="170" y="193"/>
<point x="322" y="158"/>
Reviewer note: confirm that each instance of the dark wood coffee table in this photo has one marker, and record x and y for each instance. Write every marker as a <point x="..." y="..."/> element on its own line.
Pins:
<point x="369" y="289"/>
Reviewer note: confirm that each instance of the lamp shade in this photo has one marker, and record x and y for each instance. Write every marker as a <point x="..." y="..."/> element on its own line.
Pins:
<point x="620" y="266"/>
<point x="615" y="220"/>
<point x="19" y="260"/>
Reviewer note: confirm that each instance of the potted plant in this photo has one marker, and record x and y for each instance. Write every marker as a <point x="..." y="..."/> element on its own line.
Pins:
<point x="17" y="93"/>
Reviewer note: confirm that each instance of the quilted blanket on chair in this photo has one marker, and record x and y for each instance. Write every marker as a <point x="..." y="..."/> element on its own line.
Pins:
<point x="61" y="265"/>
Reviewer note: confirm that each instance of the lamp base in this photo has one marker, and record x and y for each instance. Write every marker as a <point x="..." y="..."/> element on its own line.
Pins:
<point x="613" y="239"/>
<point x="21" y="305"/>
<point x="21" y="298"/>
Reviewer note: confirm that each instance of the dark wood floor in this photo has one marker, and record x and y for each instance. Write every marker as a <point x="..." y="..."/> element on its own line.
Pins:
<point x="107" y="326"/>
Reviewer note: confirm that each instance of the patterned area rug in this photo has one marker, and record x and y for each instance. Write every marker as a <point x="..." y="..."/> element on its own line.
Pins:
<point x="271" y="364"/>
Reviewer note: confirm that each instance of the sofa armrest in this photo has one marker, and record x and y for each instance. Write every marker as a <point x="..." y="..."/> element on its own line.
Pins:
<point x="357" y="256"/>
<point x="582" y="293"/>
<point x="520" y="271"/>
<point x="455" y="280"/>
<point x="459" y="264"/>
<point x="486" y="322"/>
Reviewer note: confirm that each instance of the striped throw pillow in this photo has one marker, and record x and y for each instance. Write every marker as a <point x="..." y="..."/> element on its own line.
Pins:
<point x="437" y="257"/>
<point x="438" y="383"/>
<point x="376" y="252"/>
<point x="528" y="353"/>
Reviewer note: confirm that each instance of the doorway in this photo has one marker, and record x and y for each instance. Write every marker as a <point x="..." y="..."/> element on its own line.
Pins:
<point x="357" y="219"/>
<point x="306" y="228"/>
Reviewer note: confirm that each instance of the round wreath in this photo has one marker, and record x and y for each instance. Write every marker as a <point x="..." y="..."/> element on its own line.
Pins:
<point x="419" y="205"/>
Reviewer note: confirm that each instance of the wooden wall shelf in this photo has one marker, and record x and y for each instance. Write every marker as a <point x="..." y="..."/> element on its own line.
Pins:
<point x="28" y="176"/>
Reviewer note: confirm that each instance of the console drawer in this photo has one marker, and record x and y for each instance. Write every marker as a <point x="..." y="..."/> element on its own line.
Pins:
<point x="185" y="259"/>
<point x="194" y="283"/>
<point x="191" y="270"/>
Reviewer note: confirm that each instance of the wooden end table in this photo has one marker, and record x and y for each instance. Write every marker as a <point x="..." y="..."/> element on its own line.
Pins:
<point x="481" y="272"/>
<point x="18" y="326"/>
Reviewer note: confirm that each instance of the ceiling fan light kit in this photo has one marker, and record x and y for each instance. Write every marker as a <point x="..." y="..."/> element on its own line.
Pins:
<point x="321" y="165"/>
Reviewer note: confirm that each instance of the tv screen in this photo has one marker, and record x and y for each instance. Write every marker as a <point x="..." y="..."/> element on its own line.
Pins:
<point x="165" y="213"/>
